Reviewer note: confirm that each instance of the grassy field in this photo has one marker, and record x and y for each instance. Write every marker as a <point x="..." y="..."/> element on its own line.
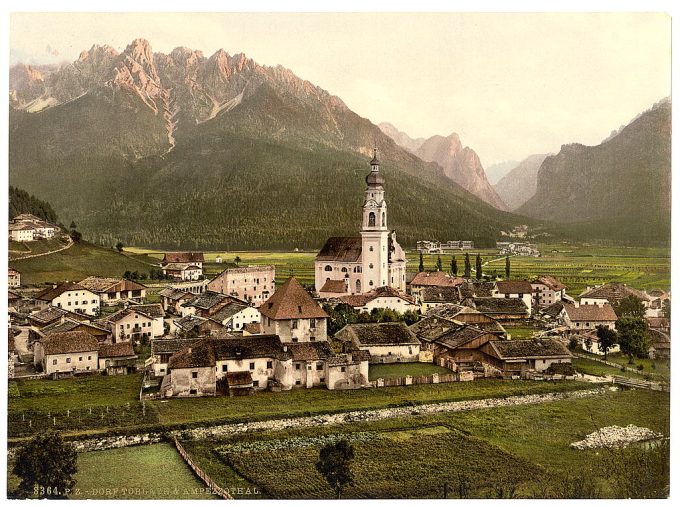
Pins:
<point x="525" y="446"/>
<point x="402" y="369"/>
<point x="78" y="406"/>
<point x="21" y="249"/>
<point x="521" y="333"/>
<point x="78" y="262"/>
<point x="590" y="367"/>
<point x="134" y="473"/>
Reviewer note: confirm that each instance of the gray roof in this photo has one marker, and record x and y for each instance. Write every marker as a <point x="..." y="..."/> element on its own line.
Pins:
<point x="385" y="333"/>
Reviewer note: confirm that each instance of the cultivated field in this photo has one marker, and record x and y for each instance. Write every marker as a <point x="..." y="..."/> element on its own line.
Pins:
<point x="523" y="451"/>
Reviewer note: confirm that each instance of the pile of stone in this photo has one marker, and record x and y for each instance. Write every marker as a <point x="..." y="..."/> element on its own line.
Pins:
<point x="615" y="437"/>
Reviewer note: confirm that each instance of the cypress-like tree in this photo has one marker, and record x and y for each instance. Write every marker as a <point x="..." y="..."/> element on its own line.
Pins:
<point x="507" y="267"/>
<point x="468" y="267"/>
<point x="439" y="263"/>
<point x="421" y="266"/>
<point x="454" y="266"/>
<point x="478" y="267"/>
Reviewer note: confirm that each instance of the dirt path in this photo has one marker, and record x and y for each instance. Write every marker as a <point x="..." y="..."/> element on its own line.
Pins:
<point x="68" y="245"/>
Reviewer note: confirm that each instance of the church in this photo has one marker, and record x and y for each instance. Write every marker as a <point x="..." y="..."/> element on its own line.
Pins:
<point x="360" y="264"/>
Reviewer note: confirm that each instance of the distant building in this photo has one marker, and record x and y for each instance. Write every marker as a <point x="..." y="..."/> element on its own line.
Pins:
<point x="27" y="227"/>
<point x="117" y="358"/>
<point x="72" y="351"/>
<point x="515" y="289"/>
<point x="380" y="298"/>
<point x="590" y="316"/>
<point x="425" y="279"/>
<point x="547" y="291"/>
<point x="387" y="342"/>
<point x="134" y="324"/>
<point x="252" y="283"/>
<point x="13" y="278"/>
<point x="183" y="265"/>
<point x="612" y="293"/>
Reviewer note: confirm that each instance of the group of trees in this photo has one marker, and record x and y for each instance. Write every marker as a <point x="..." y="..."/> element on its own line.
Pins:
<point x="631" y="335"/>
<point x="21" y="201"/>
<point x="468" y="266"/>
<point x="344" y="314"/>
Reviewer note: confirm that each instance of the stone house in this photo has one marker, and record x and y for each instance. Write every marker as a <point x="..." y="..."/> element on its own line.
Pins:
<point x="515" y="289"/>
<point x="13" y="278"/>
<point x="206" y="304"/>
<point x="547" y="291"/>
<point x="117" y="358"/>
<point x="112" y="291"/>
<point x="156" y="313"/>
<point x="659" y="345"/>
<point x="172" y="299"/>
<point x="253" y="284"/>
<point x="193" y="326"/>
<point x="163" y="349"/>
<point x="588" y="316"/>
<point x="513" y="357"/>
<point x="72" y="351"/>
<point x="50" y="315"/>
<point x="100" y="333"/>
<point x="590" y="343"/>
<point x="380" y="298"/>
<point x="435" y="297"/>
<point x="460" y="347"/>
<point x="309" y="363"/>
<point x="28" y="222"/>
<point x="387" y="342"/>
<point x="612" y="293"/>
<point x="347" y="370"/>
<point x="293" y="315"/>
<point x="21" y="232"/>
<point x="433" y="279"/>
<point x="72" y="297"/>
<point x="235" y="315"/>
<point x="501" y="309"/>
<point x="130" y="324"/>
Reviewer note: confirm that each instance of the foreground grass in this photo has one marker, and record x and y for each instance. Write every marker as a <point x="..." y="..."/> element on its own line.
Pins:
<point x="78" y="406"/>
<point x="530" y="438"/>
<point x="78" y="262"/>
<point x="590" y="367"/>
<point x="133" y="473"/>
<point x="396" y="370"/>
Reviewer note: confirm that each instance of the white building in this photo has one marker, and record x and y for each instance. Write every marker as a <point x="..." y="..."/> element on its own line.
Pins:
<point x="252" y="283"/>
<point x="72" y="351"/>
<point x="13" y="278"/>
<point x="72" y="297"/>
<point x="369" y="261"/>
<point x="515" y="289"/>
<point x="381" y="298"/>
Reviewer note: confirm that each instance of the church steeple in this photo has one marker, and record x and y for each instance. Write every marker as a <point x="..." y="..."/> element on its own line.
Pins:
<point x="375" y="180"/>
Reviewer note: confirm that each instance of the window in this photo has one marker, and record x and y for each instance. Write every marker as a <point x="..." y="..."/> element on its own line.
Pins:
<point x="371" y="219"/>
<point x="94" y="301"/>
<point x="319" y="366"/>
<point x="80" y="358"/>
<point x="370" y="283"/>
<point x="194" y="374"/>
<point x="297" y="365"/>
<point x="328" y="268"/>
<point x="294" y="340"/>
<point x="256" y="383"/>
<point x="193" y="392"/>
<point x="312" y="338"/>
<point x="294" y="324"/>
<point x="224" y="367"/>
<point x="54" y="361"/>
<point x="370" y="266"/>
<point x="322" y="379"/>
<point x="252" y="366"/>
<point x="89" y="358"/>
<point x="298" y="382"/>
<point x="68" y="359"/>
<point x="342" y="369"/>
<point x="370" y="248"/>
<point x="312" y="323"/>
<point x="270" y="365"/>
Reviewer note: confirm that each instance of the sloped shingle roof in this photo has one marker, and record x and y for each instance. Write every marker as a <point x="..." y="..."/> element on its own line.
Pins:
<point x="517" y="349"/>
<point x="121" y="349"/>
<point x="436" y="279"/>
<point x="341" y="249"/>
<point x="69" y="342"/>
<point x="501" y="305"/>
<point x="183" y="257"/>
<point x="513" y="287"/>
<point x="614" y="292"/>
<point x="590" y="312"/>
<point x="384" y="333"/>
<point x="291" y="301"/>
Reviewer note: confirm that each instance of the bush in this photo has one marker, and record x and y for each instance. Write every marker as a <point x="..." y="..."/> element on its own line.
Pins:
<point x="560" y="369"/>
<point x="640" y="367"/>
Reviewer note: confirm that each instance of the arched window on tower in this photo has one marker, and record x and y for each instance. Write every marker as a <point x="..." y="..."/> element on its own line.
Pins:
<point x="371" y="219"/>
<point x="358" y="285"/>
<point x="383" y="220"/>
<point x="328" y="268"/>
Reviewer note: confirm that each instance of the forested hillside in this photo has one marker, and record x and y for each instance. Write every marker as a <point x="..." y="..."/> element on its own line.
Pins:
<point x="21" y="201"/>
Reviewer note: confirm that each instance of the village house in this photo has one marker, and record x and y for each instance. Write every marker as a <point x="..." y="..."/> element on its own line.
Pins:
<point x="427" y="331"/>
<point x="588" y="316"/>
<point x="373" y="259"/>
<point x="135" y="323"/>
<point x="47" y="316"/>
<point x="293" y="315"/>
<point x="471" y="289"/>
<point x="100" y="333"/>
<point x="503" y="310"/>
<point x="191" y="326"/>
<point x="516" y="357"/>
<point x="467" y="315"/>
<point x="21" y="232"/>
<point x="380" y="298"/>
<point x="659" y="345"/>
<point x="72" y="297"/>
<point x="207" y="367"/>
<point x="117" y="358"/>
<point x="183" y="265"/>
<point x="436" y="297"/>
<point x="659" y="324"/>
<point x="591" y="343"/>
<point x="112" y="291"/>
<point x="547" y="291"/>
<point x="515" y="289"/>
<point x="161" y="351"/>
<point x="253" y="284"/>
<point x="460" y="348"/>
<point x="41" y="229"/>
<point x="72" y="351"/>
<point x="206" y="304"/>
<point x="612" y="293"/>
<point x="428" y="279"/>
<point x="13" y="278"/>
<point x="172" y="299"/>
<point x="236" y="315"/>
<point x="387" y="342"/>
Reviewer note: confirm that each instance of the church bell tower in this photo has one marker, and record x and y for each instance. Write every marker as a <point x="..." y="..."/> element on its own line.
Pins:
<point x="374" y="232"/>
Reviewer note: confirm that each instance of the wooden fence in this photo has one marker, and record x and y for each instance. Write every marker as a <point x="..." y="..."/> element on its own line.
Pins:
<point x="639" y="384"/>
<point x="214" y="488"/>
<point x="415" y="380"/>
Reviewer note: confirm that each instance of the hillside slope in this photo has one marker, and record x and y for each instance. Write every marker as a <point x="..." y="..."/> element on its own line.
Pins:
<point x="620" y="189"/>
<point x="519" y="185"/>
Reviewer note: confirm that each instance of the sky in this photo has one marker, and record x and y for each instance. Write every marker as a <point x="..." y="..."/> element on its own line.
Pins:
<point x="509" y="84"/>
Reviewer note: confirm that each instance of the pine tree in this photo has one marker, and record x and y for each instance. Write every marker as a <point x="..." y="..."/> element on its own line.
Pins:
<point x="468" y="268"/>
<point x="507" y="267"/>
<point x="478" y="267"/>
<point x="421" y="266"/>
<point x="454" y="266"/>
<point x="439" y="263"/>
